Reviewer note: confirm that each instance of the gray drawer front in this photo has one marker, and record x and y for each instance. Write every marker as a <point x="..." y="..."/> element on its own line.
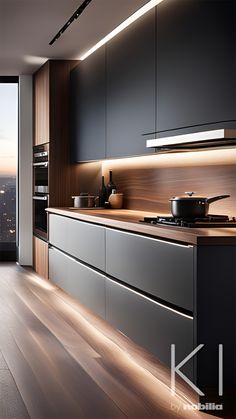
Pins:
<point x="162" y="269"/>
<point x="78" y="280"/>
<point x="79" y="239"/>
<point x="150" y="325"/>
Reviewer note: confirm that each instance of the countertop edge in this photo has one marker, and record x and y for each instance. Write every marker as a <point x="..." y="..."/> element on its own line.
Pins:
<point x="176" y="234"/>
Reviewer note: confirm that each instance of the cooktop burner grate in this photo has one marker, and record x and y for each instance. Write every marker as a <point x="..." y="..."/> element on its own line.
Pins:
<point x="212" y="220"/>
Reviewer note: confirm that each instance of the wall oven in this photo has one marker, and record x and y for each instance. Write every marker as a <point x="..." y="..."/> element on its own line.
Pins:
<point x="40" y="203"/>
<point x="40" y="166"/>
<point x="40" y="189"/>
<point x="41" y="178"/>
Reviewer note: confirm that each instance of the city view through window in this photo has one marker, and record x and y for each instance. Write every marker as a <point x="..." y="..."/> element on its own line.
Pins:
<point x="8" y="160"/>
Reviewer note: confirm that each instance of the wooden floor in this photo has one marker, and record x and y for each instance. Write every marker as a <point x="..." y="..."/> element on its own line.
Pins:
<point x="59" y="361"/>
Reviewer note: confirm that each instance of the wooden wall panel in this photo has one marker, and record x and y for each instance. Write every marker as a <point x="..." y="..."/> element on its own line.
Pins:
<point x="60" y="169"/>
<point x="40" y="257"/>
<point x="41" y="105"/>
<point x="51" y="124"/>
<point x="150" y="190"/>
<point x="149" y="182"/>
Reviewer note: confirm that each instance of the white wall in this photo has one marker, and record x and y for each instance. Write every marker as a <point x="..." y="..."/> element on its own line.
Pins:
<point x="25" y="171"/>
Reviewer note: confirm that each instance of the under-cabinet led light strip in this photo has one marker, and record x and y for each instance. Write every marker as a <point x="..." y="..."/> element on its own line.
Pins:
<point x="140" y="12"/>
<point x="150" y="299"/>
<point x="194" y="137"/>
<point x="155" y="239"/>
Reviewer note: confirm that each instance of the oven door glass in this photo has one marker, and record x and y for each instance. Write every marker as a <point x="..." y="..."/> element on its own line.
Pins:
<point x="41" y="178"/>
<point x="40" y="203"/>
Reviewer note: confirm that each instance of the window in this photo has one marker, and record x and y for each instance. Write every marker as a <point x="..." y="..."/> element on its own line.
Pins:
<point x="8" y="165"/>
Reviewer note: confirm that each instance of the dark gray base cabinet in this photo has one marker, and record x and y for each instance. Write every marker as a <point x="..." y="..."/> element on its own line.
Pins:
<point x="81" y="240"/>
<point x="79" y="248"/>
<point x="83" y="283"/>
<point x="162" y="269"/>
<point x="149" y="324"/>
<point x="135" y="291"/>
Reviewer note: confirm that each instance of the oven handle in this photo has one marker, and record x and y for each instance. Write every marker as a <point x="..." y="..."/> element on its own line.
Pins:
<point x="43" y="164"/>
<point x="40" y="198"/>
<point x="41" y="154"/>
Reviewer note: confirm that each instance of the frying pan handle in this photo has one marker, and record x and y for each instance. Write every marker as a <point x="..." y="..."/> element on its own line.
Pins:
<point x="216" y="198"/>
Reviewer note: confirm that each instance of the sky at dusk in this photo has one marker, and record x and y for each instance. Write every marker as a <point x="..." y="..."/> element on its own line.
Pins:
<point x="8" y="128"/>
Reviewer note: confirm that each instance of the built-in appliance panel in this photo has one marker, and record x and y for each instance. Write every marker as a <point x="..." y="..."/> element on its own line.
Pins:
<point x="160" y="268"/>
<point x="153" y="326"/>
<point x="78" y="280"/>
<point x="81" y="240"/>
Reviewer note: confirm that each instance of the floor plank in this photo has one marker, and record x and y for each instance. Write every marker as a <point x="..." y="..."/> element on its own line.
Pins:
<point x="66" y="363"/>
<point x="3" y="364"/>
<point x="11" y="403"/>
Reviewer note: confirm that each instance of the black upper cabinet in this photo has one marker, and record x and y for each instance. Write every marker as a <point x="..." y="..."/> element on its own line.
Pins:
<point x="196" y="67"/>
<point x="173" y="69"/>
<point x="88" y="97"/>
<point x="131" y="88"/>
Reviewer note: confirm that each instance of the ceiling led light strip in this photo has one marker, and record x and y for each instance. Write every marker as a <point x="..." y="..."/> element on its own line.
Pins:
<point x="75" y="16"/>
<point x="140" y="12"/>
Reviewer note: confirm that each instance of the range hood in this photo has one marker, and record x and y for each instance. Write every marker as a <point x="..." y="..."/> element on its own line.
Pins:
<point x="203" y="139"/>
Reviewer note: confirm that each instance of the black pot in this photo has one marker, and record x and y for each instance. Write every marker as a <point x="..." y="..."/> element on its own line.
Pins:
<point x="191" y="206"/>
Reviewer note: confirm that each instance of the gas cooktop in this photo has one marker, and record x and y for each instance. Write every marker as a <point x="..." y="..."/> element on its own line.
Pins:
<point x="210" y="221"/>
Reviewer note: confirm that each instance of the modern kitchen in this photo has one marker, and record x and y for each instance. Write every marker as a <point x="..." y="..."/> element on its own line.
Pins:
<point x="120" y="302"/>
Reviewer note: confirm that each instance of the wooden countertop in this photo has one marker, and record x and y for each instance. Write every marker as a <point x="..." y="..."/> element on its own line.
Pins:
<point x="128" y="220"/>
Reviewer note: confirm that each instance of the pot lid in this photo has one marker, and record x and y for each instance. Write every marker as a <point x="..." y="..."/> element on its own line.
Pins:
<point x="83" y="196"/>
<point x="188" y="196"/>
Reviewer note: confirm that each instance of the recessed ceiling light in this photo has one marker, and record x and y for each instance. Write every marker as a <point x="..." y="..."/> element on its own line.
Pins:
<point x="140" y="12"/>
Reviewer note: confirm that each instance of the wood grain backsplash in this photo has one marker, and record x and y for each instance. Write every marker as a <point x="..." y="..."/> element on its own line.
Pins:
<point x="149" y="182"/>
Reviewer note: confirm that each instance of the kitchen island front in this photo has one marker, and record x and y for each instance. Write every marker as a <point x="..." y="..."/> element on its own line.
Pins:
<point x="158" y="285"/>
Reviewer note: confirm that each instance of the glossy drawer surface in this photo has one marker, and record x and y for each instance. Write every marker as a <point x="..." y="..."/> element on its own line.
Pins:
<point x="81" y="240"/>
<point x="151" y="325"/>
<point x="83" y="283"/>
<point x="160" y="268"/>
